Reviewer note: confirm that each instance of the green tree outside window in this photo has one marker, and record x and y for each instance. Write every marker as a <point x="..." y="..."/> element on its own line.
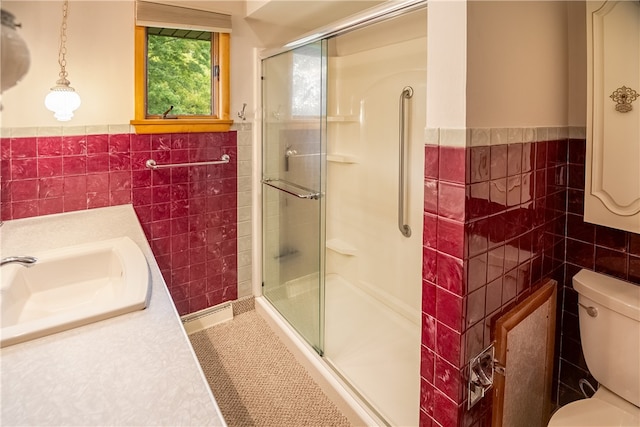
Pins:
<point x="178" y="74"/>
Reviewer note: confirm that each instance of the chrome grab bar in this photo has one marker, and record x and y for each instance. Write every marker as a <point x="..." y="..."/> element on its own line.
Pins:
<point x="407" y="93"/>
<point x="27" y="261"/>
<point x="310" y="193"/>
<point x="151" y="164"/>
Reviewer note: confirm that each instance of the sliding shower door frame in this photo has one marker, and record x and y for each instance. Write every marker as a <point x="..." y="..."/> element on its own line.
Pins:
<point x="319" y="346"/>
<point x="294" y="174"/>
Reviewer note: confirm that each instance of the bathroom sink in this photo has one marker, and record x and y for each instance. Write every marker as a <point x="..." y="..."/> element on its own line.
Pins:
<point x="71" y="287"/>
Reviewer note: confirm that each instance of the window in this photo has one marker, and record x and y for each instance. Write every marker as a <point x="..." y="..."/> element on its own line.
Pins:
<point x="180" y="66"/>
<point x="182" y="70"/>
<point x="307" y="73"/>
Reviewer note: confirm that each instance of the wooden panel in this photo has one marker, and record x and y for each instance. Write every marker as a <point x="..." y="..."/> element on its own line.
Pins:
<point x="612" y="195"/>
<point x="525" y="338"/>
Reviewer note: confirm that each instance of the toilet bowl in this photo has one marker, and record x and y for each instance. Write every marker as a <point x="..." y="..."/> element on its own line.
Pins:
<point x="609" y="314"/>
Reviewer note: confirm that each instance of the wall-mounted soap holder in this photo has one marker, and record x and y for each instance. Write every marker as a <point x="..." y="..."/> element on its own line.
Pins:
<point x="480" y="375"/>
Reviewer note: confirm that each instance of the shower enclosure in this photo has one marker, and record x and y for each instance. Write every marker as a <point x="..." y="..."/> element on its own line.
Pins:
<point x="343" y="154"/>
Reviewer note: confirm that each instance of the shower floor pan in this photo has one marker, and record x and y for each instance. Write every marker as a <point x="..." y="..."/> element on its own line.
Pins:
<point x="379" y="352"/>
<point x="375" y="349"/>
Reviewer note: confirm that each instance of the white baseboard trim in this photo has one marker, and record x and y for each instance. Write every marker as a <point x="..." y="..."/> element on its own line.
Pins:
<point x="203" y="319"/>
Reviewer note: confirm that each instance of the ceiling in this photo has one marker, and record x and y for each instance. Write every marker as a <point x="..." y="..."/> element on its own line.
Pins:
<point x="301" y="14"/>
<point x="280" y="21"/>
<point x="308" y="15"/>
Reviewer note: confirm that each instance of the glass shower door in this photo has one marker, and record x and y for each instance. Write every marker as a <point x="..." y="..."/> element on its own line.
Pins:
<point x="293" y="88"/>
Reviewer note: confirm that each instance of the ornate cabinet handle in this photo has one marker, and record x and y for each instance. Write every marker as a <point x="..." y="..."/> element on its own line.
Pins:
<point x="623" y="97"/>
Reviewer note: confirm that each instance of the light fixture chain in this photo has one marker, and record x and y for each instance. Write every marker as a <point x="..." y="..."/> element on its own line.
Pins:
<point x="63" y="100"/>
<point x="62" y="52"/>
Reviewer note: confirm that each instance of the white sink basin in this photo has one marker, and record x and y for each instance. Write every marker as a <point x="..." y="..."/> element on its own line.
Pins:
<point x="71" y="287"/>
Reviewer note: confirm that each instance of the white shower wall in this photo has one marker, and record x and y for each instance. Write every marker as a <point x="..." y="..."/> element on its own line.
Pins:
<point x="373" y="272"/>
<point x="364" y="244"/>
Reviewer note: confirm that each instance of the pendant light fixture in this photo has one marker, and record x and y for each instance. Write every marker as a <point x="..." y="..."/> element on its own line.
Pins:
<point x="63" y="100"/>
<point x="15" y="53"/>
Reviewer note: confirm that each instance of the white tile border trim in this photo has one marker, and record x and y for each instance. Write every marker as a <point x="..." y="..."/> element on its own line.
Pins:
<point x="479" y="137"/>
<point x="22" y="132"/>
<point x="113" y="129"/>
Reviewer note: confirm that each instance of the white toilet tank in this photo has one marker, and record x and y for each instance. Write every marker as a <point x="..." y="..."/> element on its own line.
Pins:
<point x="611" y="338"/>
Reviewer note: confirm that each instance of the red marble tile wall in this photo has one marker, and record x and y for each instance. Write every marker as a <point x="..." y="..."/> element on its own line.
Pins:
<point x="54" y="174"/>
<point x="594" y="247"/>
<point x="494" y="221"/>
<point x="441" y="388"/>
<point x="188" y="213"/>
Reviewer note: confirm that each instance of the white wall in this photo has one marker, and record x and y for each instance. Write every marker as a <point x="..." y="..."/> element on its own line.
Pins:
<point x="577" y="69"/>
<point x="99" y="62"/>
<point x="100" y="56"/>
<point x="504" y="64"/>
<point x="446" y="64"/>
<point x="517" y="64"/>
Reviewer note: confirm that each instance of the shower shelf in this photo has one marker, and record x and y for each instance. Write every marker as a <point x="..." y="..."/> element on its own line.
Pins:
<point x="343" y="119"/>
<point x="341" y="247"/>
<point x="341" y="158"/>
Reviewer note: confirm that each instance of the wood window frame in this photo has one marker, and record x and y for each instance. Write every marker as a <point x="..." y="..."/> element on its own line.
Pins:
<point x="144" y="124"/>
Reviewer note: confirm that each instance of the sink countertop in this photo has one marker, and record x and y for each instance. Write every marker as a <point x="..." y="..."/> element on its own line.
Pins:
<point x="137" y="369"/>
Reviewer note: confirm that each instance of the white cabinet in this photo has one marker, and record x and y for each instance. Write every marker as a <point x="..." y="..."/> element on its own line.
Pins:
<point x="612" y="187"/>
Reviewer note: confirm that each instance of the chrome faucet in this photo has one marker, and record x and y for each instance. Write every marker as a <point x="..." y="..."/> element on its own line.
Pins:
<point x="288" y="153"/>
<point x="27" y="261"/>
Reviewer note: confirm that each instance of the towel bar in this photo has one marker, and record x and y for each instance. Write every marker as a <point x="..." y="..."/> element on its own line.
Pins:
<point x="151" y="164"/>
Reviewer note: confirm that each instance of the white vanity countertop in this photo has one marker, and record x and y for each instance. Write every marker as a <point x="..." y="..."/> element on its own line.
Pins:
<point x="137" y="369"/>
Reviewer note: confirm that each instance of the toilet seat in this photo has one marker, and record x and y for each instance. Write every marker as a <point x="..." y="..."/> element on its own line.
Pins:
<point x="596" y="412"/>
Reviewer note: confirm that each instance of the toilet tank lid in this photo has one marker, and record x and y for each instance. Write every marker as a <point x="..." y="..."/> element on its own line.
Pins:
<point x="615" y="294"/>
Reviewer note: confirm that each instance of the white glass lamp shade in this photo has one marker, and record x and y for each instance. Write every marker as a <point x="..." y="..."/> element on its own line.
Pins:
<point x="63" y="100"/>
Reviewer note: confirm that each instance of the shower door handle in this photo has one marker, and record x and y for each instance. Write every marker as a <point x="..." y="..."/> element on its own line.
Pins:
<point x="308" y="194"/>
<point x="407" y="93"/>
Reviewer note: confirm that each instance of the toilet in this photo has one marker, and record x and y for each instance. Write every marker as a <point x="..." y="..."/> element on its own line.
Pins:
<point x="609" y="313"/>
